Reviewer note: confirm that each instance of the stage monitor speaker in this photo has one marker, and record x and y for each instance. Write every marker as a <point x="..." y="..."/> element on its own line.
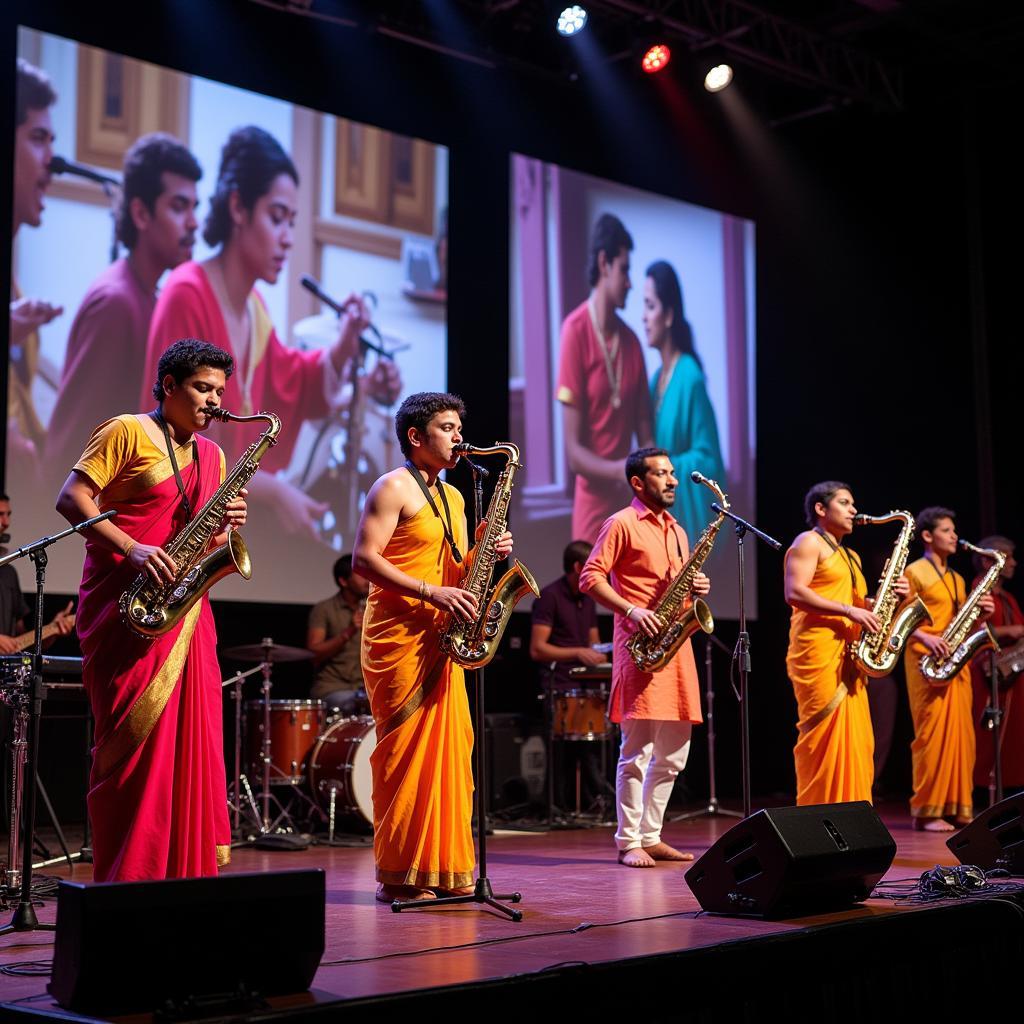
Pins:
<point x="126" y="947"/>
<point x="785" y="861"/>
<point x="995" y="839"/>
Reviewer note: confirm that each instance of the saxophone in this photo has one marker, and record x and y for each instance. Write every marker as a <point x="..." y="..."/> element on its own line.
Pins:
<point x="153" y="608"/>
<point x="876" y="654"/>
<point x="653" y="653"/>
<point x="965" y="644"/>
<point x="473" y="644"/>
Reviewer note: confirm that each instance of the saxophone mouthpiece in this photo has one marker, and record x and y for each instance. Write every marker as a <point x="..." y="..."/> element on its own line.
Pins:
<point x="860" y="519"/>
<point x="217" y="413"/>
<point x="698" y="478"/>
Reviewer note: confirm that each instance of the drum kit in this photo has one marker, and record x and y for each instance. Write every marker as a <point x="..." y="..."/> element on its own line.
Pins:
<point x="291" y="747"/>
<point x="579" y="715"/>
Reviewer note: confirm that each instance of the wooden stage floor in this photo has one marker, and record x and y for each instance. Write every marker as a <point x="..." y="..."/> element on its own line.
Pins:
<point x="580" y="907"/>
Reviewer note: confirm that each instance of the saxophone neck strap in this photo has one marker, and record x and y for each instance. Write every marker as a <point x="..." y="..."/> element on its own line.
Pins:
<point x="446" y="520"/>
<point x="186" y="504"/>
<point x="953" y="592"/>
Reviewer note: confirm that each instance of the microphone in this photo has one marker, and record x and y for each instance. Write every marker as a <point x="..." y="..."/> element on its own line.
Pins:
<point x="311" y="285"/>
<point x="58" y="165"/>
<point x="461" y="449"/>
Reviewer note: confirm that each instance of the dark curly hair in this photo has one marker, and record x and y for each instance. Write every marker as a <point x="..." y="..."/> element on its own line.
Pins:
<point x="636" y="462"/>
<point x="610" y="237"/>
<point x="185" y="357"/>
<point x="419" y="409"/>
<point x="148" y="158"/>
<point x="928" y="518"/>
<point x="823" y="492"/>
<point x="249" y="162"/>
<point x="33" y="89"/>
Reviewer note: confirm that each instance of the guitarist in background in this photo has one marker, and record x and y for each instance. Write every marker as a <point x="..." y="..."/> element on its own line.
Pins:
<point x="13" y="609"/>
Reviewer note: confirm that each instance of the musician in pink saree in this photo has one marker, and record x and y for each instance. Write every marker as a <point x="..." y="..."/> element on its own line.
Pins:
<point x="157" y="795"/>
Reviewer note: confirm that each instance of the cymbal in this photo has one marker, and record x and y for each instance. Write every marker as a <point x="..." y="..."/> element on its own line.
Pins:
<point x="267" y="652"/>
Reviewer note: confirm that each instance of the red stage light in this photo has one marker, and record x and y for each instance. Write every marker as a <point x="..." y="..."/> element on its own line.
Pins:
<point x="656" y="58"/>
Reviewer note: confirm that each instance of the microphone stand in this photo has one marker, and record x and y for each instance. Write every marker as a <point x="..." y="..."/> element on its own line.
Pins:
<point x="712" y="809"/>
<point x="25" y="919"/>
<point x="994" y="721"/>
<point x="741" y="655"/>
<point x="482" y="892"/>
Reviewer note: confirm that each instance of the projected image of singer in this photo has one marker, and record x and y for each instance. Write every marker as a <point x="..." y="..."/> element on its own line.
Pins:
<point x="156" y="224"/>
<point x="251" y="221"/>
<point x="601" y="383"/>
<point x="684" y="419"/>
<point x="33" y="151"/>
<point x="412" y="547"/>
<point x="156" y="793"/>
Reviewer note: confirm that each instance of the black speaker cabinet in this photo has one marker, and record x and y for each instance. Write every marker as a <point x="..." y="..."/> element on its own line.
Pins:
<point x="785" y="861"/>
<point x="995" y="839"/>
<point x="125" y="947"/>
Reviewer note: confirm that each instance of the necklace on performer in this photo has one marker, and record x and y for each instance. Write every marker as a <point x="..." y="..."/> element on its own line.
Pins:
<point x="612" y="357"/>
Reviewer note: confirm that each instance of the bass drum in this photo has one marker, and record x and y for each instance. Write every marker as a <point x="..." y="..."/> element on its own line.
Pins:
<point x="340" y="762"/>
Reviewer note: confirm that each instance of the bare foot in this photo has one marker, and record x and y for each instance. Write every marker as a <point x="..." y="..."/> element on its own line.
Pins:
<point x="662" y="851"/>
<point x="932" y="825"/>
<point x="464" y="890"/>
<point x="636" y="858"/>
<point x="408" y="893"/>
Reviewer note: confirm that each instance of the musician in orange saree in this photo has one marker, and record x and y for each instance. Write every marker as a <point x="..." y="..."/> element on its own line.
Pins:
<point x="943" y="748"/>
<point x="157" y="794"/>
<point x="825" y="586"/>
<point x="411" y="545"/>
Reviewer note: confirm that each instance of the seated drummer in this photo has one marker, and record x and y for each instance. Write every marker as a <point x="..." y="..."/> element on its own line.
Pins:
<point x="564" y="626"/>
<point x="334" y="636"/>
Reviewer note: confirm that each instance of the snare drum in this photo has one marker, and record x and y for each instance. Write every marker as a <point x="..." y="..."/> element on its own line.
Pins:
<point x="294" y="727"/>
<point x="580" y="715"/>
<point x="341" y="762"/>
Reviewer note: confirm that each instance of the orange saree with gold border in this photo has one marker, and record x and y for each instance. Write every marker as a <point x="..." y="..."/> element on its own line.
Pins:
<point x="835" y="747"/>
<point x="422" y="773"/>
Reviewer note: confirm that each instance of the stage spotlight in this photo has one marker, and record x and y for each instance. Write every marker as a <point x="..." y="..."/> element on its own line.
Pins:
<point x="656" y="58"/>
<point x="718" y="78"/>
<point x="572" y="20"/>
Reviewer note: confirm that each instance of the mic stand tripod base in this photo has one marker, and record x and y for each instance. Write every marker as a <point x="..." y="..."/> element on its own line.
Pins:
<point x="482" y="893"/>
<point x="711" y="810"/>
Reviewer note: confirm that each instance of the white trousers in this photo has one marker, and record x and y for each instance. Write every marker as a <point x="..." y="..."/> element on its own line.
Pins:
<point x="652" y="754"/>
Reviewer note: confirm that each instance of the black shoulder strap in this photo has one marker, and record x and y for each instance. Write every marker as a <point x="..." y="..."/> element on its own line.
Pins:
<point x="186" y="504"/>
<point x="446" y="522"/>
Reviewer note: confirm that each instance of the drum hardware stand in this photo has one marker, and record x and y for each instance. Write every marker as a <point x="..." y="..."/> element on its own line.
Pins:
<point x="235" y="801"/>
<point x="25" y="918"/>
<point x="712" y="809"/>
<point x="482" y="891"/>
<point x="993" y="718"/>
<point x="741" y="654"/>
<point x="271" y="837"/>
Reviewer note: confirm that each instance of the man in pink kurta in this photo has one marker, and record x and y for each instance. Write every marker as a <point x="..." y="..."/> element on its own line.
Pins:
<point x="156" y="224"/>
<point x="602" y="384"/>
<point x="639" y="550"/>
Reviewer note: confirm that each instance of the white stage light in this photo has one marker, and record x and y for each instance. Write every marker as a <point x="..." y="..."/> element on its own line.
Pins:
<point x="718" y="78"/>
<point x="572" y="20"/>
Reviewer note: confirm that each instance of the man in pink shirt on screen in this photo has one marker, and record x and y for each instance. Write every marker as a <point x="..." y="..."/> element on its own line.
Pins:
<point x="602" y="383"/>
<point x="638" y="552"/>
